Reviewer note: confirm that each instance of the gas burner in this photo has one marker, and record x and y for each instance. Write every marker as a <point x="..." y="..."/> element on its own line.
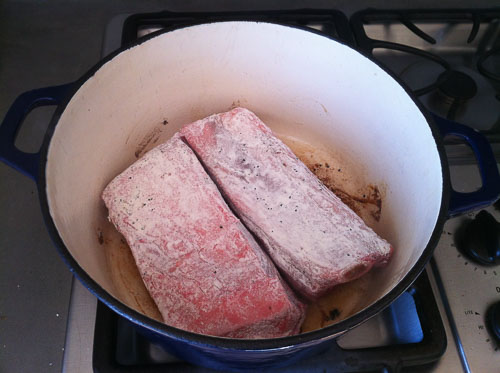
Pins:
<point x="456" y="88"/>
<point x="463" y="95"/>
<point x="447" y="57"/>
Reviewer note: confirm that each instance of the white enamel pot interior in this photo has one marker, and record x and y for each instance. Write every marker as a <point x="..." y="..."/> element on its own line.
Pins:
<point x="299" y="83"/>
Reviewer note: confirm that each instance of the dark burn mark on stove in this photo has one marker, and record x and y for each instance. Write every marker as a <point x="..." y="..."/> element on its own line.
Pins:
<point x="151" y="138"/>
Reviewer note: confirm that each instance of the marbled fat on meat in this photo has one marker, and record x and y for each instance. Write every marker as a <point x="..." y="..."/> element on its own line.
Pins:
<point x="311" y="235"/>
<point x="201" y="266"/>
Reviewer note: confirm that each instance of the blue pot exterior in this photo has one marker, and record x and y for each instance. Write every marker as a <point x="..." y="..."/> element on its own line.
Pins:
<point x="214" y="357"/>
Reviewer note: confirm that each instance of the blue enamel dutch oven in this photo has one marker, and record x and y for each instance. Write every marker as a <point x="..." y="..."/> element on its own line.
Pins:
<point x="303" y="85"/>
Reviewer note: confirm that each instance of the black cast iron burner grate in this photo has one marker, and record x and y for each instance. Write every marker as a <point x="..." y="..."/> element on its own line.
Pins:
<point x="329" y="21"/>
<point x="409" y="18"/>
<point x="467" y="82"/>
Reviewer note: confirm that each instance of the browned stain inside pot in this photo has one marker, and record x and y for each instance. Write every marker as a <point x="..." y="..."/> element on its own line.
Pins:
<point x="150" y="139"/>
<point x="367" y="199"/>
<point x="100" y="237"/>
<point x="237" y="103"/>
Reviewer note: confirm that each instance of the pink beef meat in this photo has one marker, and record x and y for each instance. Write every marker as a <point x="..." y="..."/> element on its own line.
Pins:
<point x="201" y="266"/>
<point x="311" y="235"/>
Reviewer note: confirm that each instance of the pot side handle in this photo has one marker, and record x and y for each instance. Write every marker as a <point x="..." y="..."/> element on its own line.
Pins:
<point x="489" y="192"/>
<point x="26" y="163"/>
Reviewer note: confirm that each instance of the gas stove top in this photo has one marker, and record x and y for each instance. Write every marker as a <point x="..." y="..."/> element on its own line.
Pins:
<point x="450" y="60"/>
<point x="410" y="331"/>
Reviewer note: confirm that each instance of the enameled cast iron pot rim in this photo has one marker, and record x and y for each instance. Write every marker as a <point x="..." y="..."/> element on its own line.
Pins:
<point x="227" y="343"/>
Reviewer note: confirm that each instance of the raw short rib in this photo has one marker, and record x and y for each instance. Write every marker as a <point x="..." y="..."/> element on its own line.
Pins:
<point x="311" y="235"/>
<point x="201" y="266"/>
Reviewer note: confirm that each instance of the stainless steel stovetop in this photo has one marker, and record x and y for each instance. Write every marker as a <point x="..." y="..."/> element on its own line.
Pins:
<point x="462" y="288"/>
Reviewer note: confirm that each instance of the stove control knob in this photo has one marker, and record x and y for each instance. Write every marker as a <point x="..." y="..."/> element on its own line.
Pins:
<point x="493" y="320"/>
<point x="481" y="239"/>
